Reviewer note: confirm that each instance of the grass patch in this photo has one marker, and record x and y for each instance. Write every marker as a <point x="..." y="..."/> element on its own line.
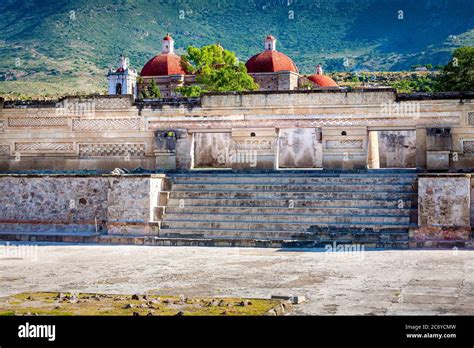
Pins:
<point x="53" y="303"/>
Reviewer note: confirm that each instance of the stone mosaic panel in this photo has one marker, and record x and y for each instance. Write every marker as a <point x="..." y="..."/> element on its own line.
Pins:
<point x="257" y="144"/>
<point x="100" y="103"/>
<point x="4" y="150"/>
<point x="112" y="103"/>
<point x="106" y="124"/>
<point x="344" y="144"/>
<point x="112" y="149"/>
<point x="44" y="147"/>
<point x="468" y="146"/>
<point x="470" y="118"/>
<point x="37" y="122"/>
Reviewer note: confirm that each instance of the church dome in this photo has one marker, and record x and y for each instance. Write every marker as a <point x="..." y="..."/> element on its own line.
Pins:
<point x="165" y="63"/>
<point x="270" y="60"/>
<point x="322" y="80"/>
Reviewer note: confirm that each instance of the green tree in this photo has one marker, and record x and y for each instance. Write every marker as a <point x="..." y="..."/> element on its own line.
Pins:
<point x="458" y="74"/>
<point x="216" y="70"/>
<point x="416" y="84"/>
<point x="154" y="90"/>
<point x="149" y="90"/>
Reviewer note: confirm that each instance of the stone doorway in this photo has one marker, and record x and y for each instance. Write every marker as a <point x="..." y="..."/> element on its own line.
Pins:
<point x="300" y="148"/>
<point x="391" y="149"/>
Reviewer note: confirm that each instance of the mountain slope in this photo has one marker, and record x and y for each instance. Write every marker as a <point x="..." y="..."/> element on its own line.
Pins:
<point x="66" y="46"/>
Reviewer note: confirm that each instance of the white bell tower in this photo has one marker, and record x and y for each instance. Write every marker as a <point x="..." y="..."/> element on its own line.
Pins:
<point x="270" y="43"/>
<point x="319" y="69"/>
<point x="167" y="45"/>
<point x="123" y="80"/>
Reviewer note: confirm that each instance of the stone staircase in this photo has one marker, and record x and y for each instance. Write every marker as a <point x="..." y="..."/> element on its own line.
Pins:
<point x="291" y="209"/>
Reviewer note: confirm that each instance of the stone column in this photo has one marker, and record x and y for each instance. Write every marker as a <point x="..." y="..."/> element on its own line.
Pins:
<point x="421" y="148"/>
<point x="373" y="157"/>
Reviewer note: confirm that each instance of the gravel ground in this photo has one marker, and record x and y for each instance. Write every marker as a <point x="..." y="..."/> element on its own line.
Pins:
<point x="366" y="282"/>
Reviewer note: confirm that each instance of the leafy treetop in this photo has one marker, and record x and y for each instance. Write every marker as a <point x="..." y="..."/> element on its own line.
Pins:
<point x="216" y="70"/>
<point x="458" y="74"/>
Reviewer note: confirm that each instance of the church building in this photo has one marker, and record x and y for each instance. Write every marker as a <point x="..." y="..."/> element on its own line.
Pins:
<point x="272" y="71"/>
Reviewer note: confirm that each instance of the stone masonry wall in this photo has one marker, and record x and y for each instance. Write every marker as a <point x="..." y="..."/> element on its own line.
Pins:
<point x="444" y="207"/>
<point x="77" y="204"/>
<point x="103" y="133"/>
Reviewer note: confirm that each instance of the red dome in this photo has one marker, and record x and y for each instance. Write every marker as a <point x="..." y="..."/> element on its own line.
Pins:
<point x="163" y="64"/>
<point x="322" y="80"/>
<point x="270" y="61"/>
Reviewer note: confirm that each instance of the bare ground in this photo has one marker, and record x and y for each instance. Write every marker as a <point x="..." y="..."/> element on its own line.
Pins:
<point x="379" y="282"/>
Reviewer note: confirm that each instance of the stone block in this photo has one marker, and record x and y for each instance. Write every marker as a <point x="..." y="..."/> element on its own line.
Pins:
<point x="444" y="200"/>
<point x="437" y="160"/>
<point x="437" y="233"/>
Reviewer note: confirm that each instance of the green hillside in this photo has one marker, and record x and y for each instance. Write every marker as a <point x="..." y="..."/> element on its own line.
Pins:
<point x="58" y="47"/>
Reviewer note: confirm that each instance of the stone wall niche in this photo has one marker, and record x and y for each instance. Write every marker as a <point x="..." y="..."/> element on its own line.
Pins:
<point x="438" y="148"/>
<point x="345" y="148"/>
<point x="443" y="210"/>
<point x="165" y="148"/>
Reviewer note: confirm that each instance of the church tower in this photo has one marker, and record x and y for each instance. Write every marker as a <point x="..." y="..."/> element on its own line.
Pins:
<point x="123" y="80"/>
<point x="167" y="45"/>
<point x="270" y="43"/>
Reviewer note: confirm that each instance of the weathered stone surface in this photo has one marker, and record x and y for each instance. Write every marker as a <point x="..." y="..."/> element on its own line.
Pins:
<point x="300" y="148"/>
<point x="397" y="149"/>
<point x="437" y="233"/>
<point x="444" y="200"/>
<point x="65" y="204"/>
<point x="114" y="132"/>
<point x="444" y="207"/>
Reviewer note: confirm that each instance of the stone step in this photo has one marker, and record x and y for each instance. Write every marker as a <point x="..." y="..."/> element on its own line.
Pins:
<point x="319" y="187"/>
<point x="298" y="173"/>
<point x="270" y="195"/>
<point x="326" y="207"/>
<point x="294" y="180"/>
<point x="51" y="237"/>
<point x="315" y="219"/>
<point x="286" y="210"/>
<point x="182" y="240"/>
<point x="280" y="225"/>
<point x="348" y="236"/>
<point x="285" y="203"/>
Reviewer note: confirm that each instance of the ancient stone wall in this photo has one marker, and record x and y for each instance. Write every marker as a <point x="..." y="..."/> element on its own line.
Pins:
<point x="113" y="204"/>
<point x="444" y="207"/>
<point x="102" y="133"/>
